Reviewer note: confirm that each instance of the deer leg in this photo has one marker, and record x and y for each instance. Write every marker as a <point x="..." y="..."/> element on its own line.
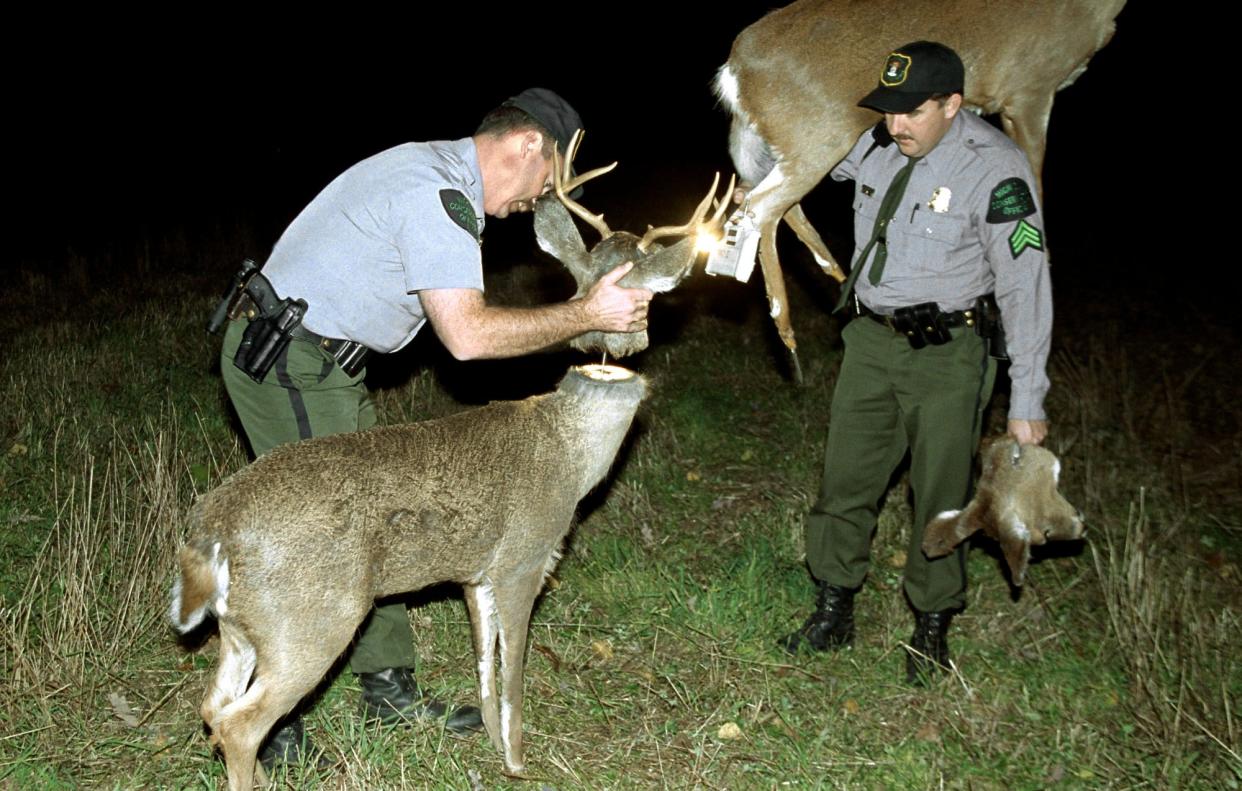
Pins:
<point x="768" y="204"/>
<point x="237" y="660"/>
<point x="771" y="199"/>
<point x="289" y="661"/>
<point x="481" y="602"/>
<point x="1025" y="120"/>
<point x="514" y="601"/>
<point x="243" y="724"/>
<point x="810" y="237"/>
<point x="239" y="729"/>
<point x="778" y="301"/>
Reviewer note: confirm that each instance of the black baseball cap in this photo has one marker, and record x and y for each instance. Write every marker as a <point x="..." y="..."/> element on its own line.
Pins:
<point x="914" y="73"/>
<point x="549" y="109"/>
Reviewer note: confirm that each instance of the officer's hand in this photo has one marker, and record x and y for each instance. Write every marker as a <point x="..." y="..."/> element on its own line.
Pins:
<point x="614" y="308"/>
<point x="741" y="191"/>
<point x="1028" y="432"/>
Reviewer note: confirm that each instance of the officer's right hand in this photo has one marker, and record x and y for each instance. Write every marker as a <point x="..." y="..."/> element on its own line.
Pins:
<point x="614" y="308"/>
<point x="1028" y="432"/>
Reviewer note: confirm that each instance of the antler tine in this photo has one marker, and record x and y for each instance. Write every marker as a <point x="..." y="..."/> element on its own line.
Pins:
<point x="681" y="230"/>
<point x="722" y="204"/>
<point x="560" y="174"/>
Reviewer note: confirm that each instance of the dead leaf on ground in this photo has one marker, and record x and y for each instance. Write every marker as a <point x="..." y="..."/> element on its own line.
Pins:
<point x="694" y="475"/>
<point x="123" y="711"/>
<point x="729" y="731"/>
<point x="851" y="707"/>
<point x="898" y="560"/>
<point x="602" y="649"/>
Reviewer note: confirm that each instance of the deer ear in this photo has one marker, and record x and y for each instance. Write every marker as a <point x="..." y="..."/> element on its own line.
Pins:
<point x="559" y="237"/>
<point x="1015" y="543"/>
<point x="665" y="268"/>
<point x="946" y="531"/>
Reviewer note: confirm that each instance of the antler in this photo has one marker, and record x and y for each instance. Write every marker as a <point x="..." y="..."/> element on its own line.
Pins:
<point x="695" y="220"/>
<point x="564" y="185"/>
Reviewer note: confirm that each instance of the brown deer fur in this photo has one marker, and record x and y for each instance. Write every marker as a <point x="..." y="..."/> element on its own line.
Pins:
<point x="1016" y="504"/>
<point x="793" y="80"/>
<point x="290" y="552"/>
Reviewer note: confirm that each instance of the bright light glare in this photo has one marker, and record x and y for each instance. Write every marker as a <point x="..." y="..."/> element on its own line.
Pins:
<point x="706" y="241"/>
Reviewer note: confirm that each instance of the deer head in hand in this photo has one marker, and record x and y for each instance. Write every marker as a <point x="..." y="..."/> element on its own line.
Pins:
<point x="656" y="267"/>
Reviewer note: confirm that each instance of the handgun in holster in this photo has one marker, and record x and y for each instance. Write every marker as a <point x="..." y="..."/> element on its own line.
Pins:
<point x="266" y="337"/>
<point x="272" y="320"/>
<point x="231" y="303"/>
<point x="990" y="327"/>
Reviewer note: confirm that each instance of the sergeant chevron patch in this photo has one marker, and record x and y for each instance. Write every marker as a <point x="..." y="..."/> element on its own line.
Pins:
<point x="459" y="210"/>
<point x="1025" y="235"/>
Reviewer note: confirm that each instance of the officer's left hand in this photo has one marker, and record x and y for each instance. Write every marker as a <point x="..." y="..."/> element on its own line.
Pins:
<point x="1028" y="432"/>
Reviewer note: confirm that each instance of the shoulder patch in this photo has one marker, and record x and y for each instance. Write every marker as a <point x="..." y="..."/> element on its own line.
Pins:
<point x="1011" y="200"/>
<point x="1025" y="235"/>
<point x="459" y="210"/>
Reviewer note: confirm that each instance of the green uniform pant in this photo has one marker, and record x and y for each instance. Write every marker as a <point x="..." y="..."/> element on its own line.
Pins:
<point x="306" y="394"/>
<point x="891" y="398"/>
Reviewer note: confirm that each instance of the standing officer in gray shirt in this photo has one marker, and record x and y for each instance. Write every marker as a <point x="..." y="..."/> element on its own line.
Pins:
<point x="390" y="244"/>
<point x="944" y="217"/>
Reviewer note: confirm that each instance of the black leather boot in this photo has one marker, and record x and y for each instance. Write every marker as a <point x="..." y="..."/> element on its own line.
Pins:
<point x="930" y="646"/>
<point x="831" y="626"/>
<point x="392" y="696"/>
<point x="289" y="744"/>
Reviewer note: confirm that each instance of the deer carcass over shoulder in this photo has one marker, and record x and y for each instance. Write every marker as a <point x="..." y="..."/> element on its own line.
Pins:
<point x="793" y="80"/>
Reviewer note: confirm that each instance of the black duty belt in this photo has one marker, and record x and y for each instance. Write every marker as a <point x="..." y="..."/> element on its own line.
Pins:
<point x="958" y="318"/>
<point x="258" y="298"/>
<point x="350" y="355"/>
<point x="924" y="324"/>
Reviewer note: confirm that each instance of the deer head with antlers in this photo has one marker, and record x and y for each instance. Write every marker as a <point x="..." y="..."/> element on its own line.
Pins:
<point x="656" y="267"/>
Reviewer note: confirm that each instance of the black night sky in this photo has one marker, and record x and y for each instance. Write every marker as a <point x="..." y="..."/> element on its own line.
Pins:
<point x="132" y="131"/>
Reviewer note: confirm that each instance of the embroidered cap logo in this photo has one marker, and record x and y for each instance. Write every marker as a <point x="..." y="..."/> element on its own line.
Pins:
<point x="895" y="70"/>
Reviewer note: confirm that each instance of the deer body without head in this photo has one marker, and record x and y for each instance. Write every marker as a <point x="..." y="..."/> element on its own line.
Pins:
<point x="793" y="80"/>
<point x="1016" y="504"/>
<point x="657" y="268"/>
<point x="291" y="552"/>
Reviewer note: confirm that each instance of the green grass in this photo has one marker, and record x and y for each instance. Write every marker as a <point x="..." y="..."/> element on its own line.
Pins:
<point x="652" y="660"/>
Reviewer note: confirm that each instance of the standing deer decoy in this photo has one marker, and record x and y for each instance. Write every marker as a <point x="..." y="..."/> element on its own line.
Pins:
<point x="793" y="80"/>
<point x="656" y="268"/>
<point x="291" y="552"/>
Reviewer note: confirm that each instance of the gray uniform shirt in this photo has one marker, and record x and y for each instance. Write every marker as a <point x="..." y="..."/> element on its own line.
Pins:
<point x="390" y="226"/>
<point x="959" y="234"/>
